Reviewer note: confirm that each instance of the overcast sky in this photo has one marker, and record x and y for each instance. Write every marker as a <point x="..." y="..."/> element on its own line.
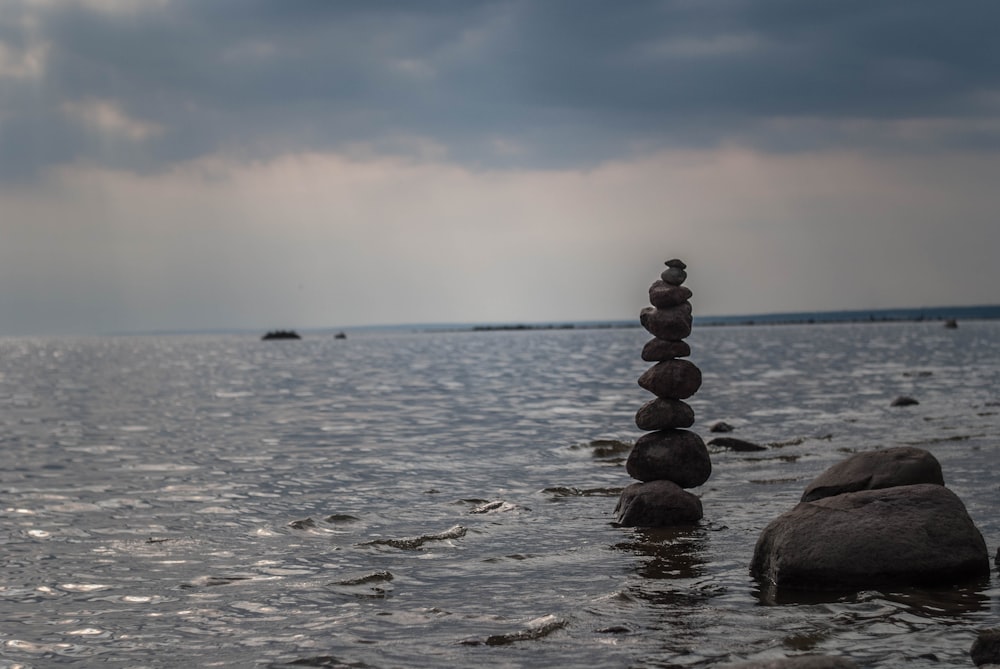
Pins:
<point x="195" y="164"/>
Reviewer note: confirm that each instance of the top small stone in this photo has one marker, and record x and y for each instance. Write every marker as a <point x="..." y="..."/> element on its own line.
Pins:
<point x="675" y="263"/>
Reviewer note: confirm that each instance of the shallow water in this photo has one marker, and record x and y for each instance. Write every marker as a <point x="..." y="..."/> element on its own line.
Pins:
<point x="432" y="499"/>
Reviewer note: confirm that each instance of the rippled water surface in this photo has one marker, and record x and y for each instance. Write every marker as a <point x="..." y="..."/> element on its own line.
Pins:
<point x="446" y="499"/>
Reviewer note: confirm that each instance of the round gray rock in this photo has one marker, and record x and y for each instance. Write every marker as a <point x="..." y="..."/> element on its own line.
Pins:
<point x="671" y="324"/>
<point x="661" y="349"/>
<point x="907" y="535"/>
<point x="657" y="504"/>
<point x="674" y="275"/>
<point x="665" y="295"/>
<point x="672" y="379"/>
<point x="872" y="470"/>
<point x="661" y="414"/>
<point x="671" y="455"/>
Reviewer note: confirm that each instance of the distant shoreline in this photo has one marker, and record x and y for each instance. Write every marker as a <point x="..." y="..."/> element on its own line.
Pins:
<point x="942" y="314"/>
<point x="958" y="314"/>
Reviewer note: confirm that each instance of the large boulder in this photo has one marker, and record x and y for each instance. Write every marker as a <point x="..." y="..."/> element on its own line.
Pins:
<point x="674" y="455"/>
<point x="657" y="504"/>
<point x="906" y="535"/>
<point x="872" y="470"/>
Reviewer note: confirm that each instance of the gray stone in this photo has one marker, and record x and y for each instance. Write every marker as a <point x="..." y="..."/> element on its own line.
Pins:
<point x="671" y="324"/>
<point x="721" y="426"/>
<point x="986" y="648"/>
<point x="672" y="379"/>
<point x="674" y="276"/>
<point x="872" y="470"/>
<point x="672" y="455"/>
<point x="657" y="504"/>
<point x="661" y="414"/>
<point x="918" y="535"/>
<point x="800" y="662"/>
<point x="661" y="349"/>
<point x="734" y="444"/>
<point x="663" y="295"/>
<point x="904" y="401"/>
<point x="676" y="262"/>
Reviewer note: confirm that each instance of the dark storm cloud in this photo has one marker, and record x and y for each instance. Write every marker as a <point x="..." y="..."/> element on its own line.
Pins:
<point x="513" y="82"/>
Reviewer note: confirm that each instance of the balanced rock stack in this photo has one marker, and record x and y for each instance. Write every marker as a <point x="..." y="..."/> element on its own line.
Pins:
<point x="668" y="458"/>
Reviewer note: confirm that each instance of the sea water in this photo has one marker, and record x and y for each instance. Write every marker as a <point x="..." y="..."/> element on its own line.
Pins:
<point x="429" y="499"/>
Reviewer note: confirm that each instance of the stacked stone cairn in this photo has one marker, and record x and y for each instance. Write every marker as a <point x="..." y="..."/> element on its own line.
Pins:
<point x="668" y="458"/>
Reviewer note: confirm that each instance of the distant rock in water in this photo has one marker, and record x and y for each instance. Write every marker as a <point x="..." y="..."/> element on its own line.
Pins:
<point x="951" y="324"/>
<point x="721" y="426"/>
<point x="734" y="444"/>
<point x="340" y="335"/>
<point x="986" y="648"/>
<point x="904" y="401"/>
<point x="280" y="334"/>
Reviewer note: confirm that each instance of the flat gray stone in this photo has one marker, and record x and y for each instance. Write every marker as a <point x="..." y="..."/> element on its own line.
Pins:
<point x="734" y="444"/>
<point x="871" y="470"/>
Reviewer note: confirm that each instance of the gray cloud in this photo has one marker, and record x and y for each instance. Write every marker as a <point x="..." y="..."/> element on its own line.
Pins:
<point x="493" y="83"/>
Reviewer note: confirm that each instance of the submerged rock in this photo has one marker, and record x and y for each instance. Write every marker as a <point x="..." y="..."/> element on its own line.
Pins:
<point x="986" y="648"/>
<point x="800" y="662"/>
<point x="905" y="535"/>
<point x="904" y="401"/>
<point x="872" y="470"/>
<point x="657" y="504"/>
<point x="734" y="444"/>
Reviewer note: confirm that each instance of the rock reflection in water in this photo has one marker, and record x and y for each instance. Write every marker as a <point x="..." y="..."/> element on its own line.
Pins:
<point x="924" y="602"/>
<point x="672" y="552"/>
